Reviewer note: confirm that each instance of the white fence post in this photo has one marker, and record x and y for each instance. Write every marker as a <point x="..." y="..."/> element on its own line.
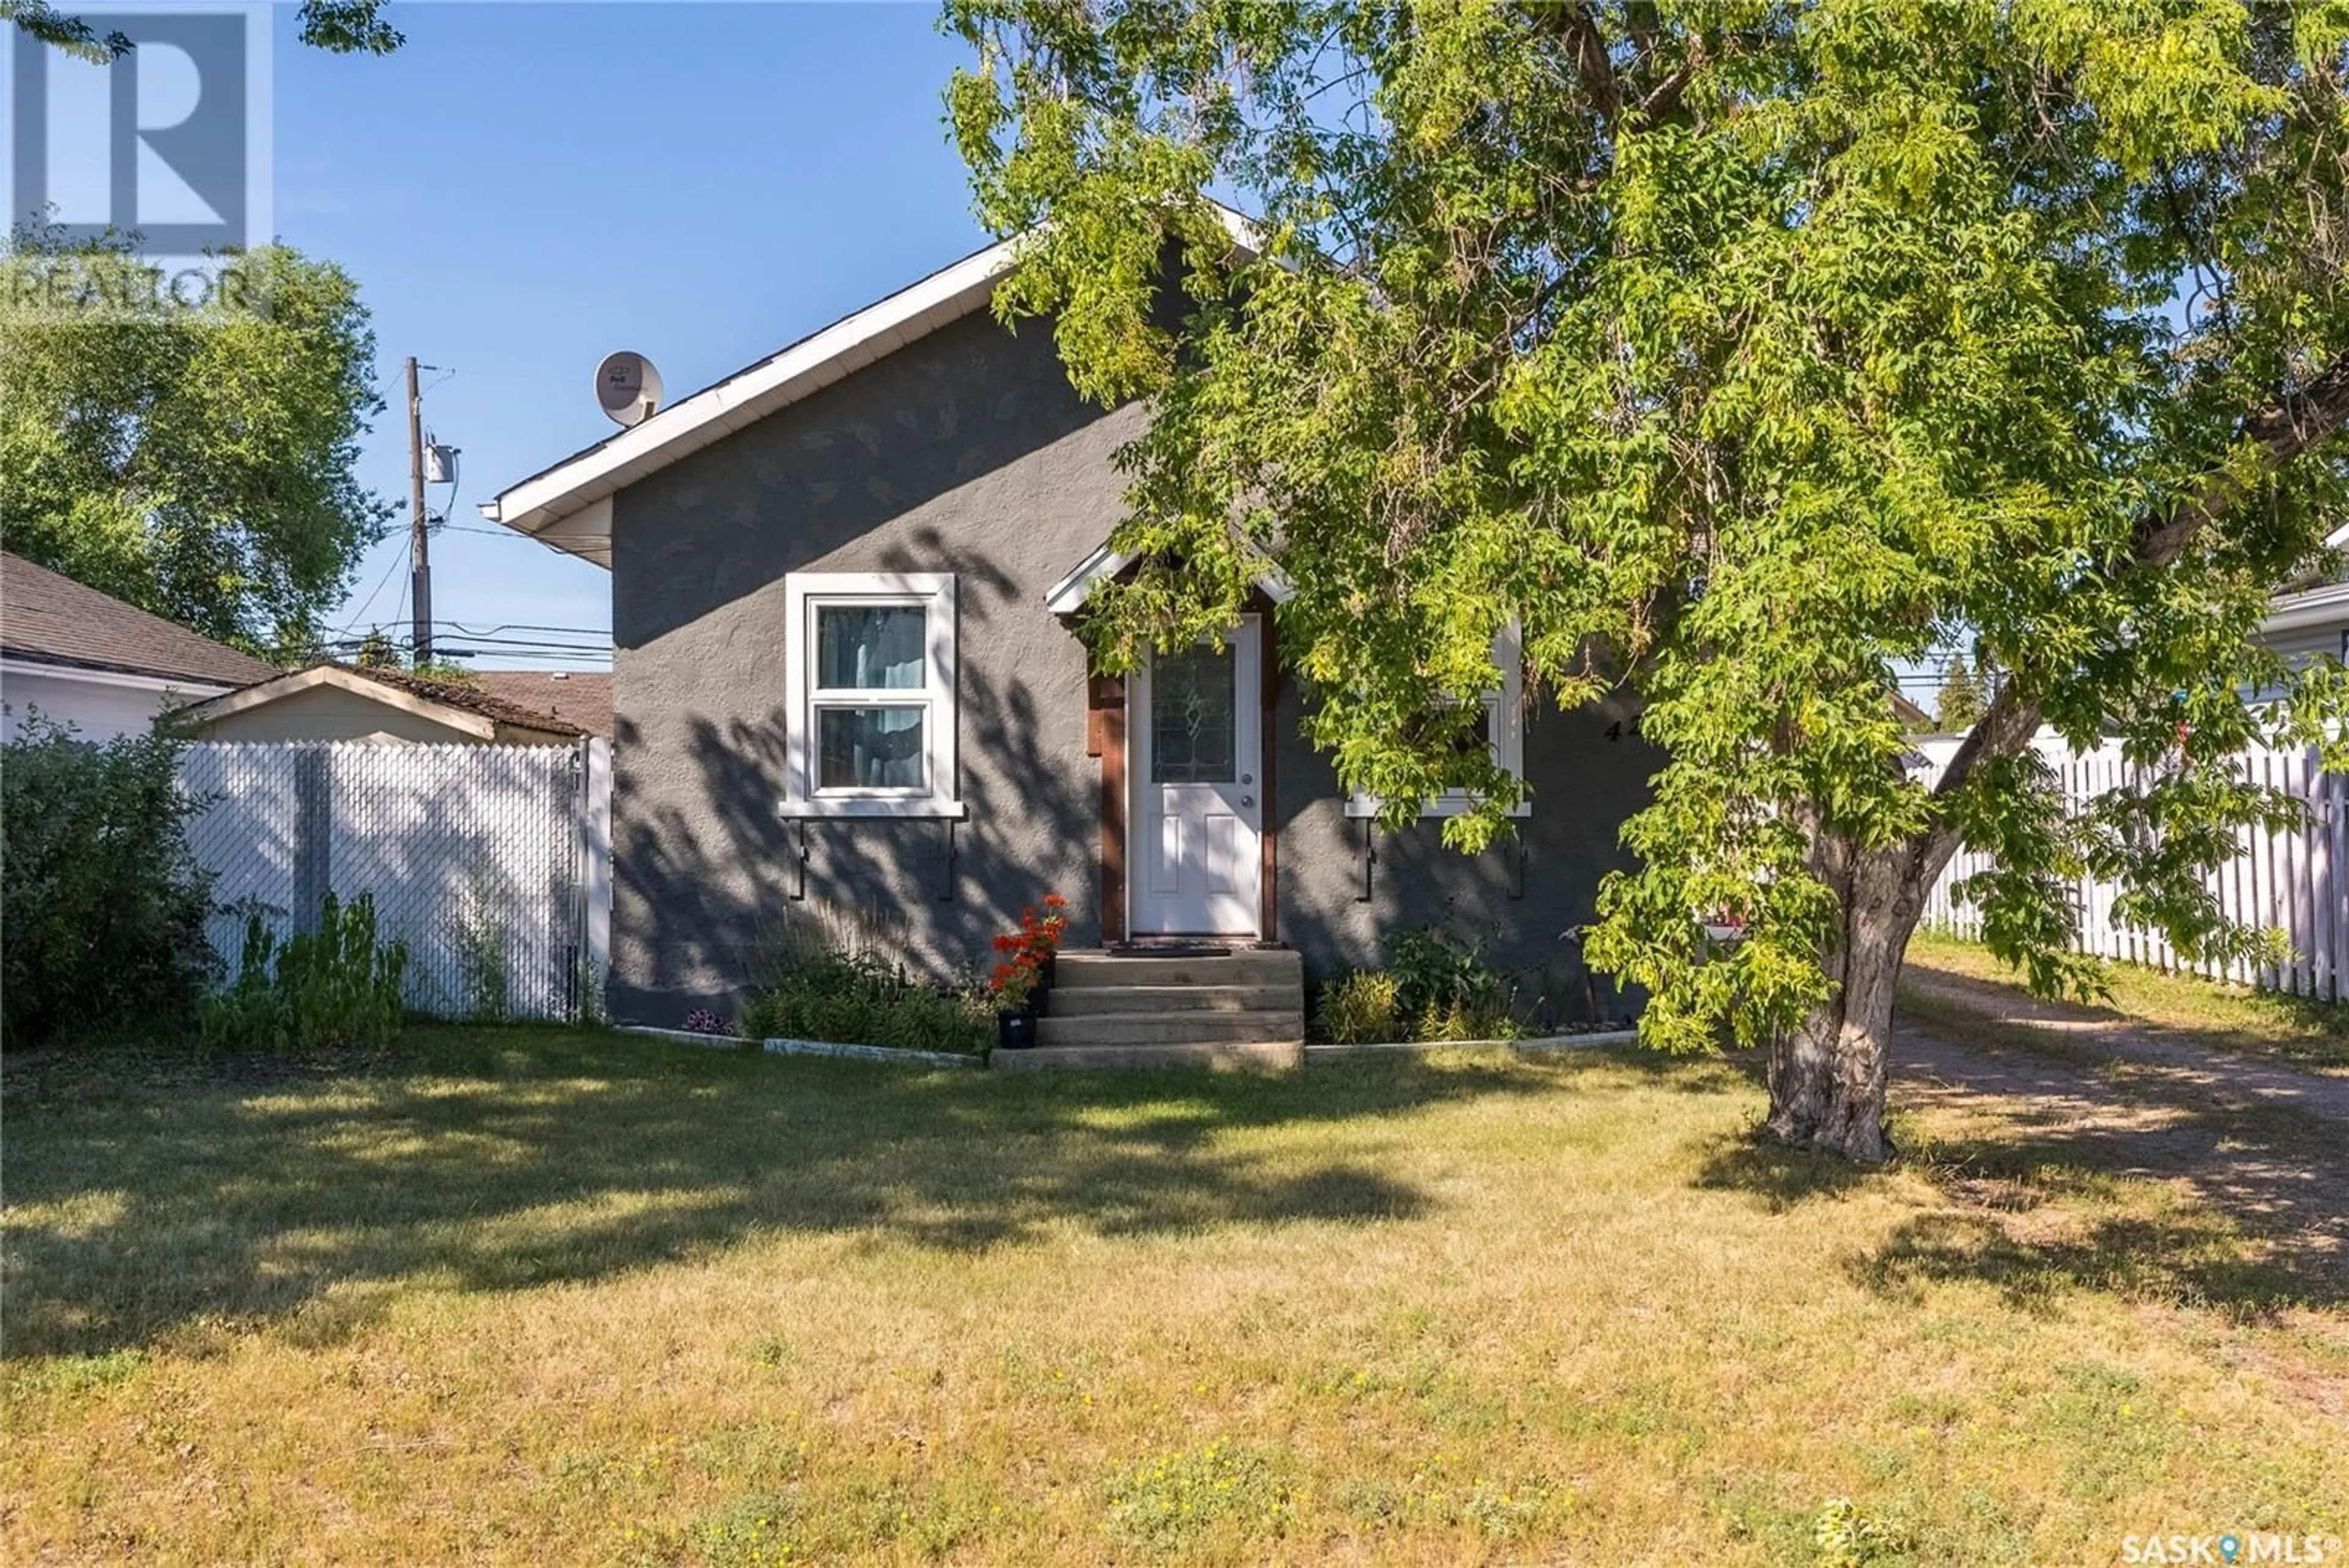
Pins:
<point x="595" y="814"/>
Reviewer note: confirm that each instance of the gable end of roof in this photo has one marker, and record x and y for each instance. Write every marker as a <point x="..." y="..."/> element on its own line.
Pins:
<point x="474" y="710"/>
<point x="535" y="506"/>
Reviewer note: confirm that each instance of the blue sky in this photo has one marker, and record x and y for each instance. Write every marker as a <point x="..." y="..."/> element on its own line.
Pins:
<point x="525" y="188"/>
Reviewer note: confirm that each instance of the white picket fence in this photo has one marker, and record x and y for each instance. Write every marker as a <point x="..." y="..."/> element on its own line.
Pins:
<point x="492" y="862"/>
<point x="2296" y="881"/>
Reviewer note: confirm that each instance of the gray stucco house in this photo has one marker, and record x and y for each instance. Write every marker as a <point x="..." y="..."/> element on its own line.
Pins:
<point x="846" y="677"/>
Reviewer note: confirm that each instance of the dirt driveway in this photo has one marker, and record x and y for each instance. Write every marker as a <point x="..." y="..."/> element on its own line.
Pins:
<point x="2264" y="1144"/>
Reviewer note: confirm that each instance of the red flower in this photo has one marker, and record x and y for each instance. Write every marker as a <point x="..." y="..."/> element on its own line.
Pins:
<point x="1029" y="947"/>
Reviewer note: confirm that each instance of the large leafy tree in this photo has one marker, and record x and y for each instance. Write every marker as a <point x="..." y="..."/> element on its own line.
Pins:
<point x="199" y="463"/>
<point x="196" y="463"/>
<point x="1743" y="353"/>
<point x="1960" y="706"/>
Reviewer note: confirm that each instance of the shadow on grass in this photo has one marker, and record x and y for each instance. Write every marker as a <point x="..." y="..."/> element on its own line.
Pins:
<point x="2274" y="1026"/>
<point x="2143" y="1190"/>
<point x="2241" y="1191"/>
<point x="2194" y="1260"/>
<point x="2052" y="1213"/>
<point x="499" y="1159"/>
<point x="1781" y="1177"/>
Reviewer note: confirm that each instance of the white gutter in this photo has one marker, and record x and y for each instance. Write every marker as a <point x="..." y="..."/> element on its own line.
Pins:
<point x="2315" y="607"/>
<point x="191" y="689"/>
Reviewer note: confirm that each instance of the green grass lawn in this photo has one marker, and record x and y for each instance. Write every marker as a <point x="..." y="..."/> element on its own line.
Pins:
<point x="534" y="1296"/>
<point x="2300" y="1033"/>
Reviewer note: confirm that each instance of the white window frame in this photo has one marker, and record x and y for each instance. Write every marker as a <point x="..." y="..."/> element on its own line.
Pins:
<point x="805" y="594"/>
<point x="1504" y="729"/>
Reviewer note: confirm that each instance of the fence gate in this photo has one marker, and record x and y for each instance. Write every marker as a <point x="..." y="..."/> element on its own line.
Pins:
<point x="490" y="862"/>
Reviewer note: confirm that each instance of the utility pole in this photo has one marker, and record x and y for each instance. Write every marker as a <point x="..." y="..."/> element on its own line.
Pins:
<point x="419" y="559"/>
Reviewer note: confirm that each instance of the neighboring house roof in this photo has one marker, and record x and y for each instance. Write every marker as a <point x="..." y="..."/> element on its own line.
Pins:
<point x="2311" y="607"/>
<point x="48" y="618"/>
<point x="1914" y="720"/>
<point x="472" y="710"/>
<point x="583" y="698"/>
<point x="568" y="505"/>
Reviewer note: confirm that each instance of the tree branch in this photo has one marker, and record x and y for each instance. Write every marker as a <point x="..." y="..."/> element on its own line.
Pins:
<point x="2287" y="426"/>
<point x="2294" y="421"/>
<point x="1592" y="63"/>
<point x="1663" y="101"/>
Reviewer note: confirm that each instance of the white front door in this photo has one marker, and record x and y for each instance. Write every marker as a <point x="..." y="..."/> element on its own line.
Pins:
<point x="1195" y="754"/>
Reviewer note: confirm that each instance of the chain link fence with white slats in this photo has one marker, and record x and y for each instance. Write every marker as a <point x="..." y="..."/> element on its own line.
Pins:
<point x="487" y="861"/>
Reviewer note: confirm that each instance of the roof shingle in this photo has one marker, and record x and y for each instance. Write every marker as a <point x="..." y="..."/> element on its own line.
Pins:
<point x="580" y="698"/>
<point x="485" y="693"/>
<point x="51" y="618"/>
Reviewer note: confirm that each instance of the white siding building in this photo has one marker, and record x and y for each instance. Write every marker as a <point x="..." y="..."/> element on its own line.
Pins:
<point x="90" y="660"/>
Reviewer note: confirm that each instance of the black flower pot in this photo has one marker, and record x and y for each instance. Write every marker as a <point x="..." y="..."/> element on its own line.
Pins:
<point x="1015" y="1031"/>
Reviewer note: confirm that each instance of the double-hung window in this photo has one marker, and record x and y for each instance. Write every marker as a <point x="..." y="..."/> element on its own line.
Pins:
<point x="1503" y="733"/>
<point x="870" y="694"/>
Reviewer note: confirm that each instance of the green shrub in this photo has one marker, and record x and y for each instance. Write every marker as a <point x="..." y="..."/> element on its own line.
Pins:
<point x="1360" y="1008"/>
<point x="1458" y="1020"/>
<point x="1434" y="969"/>
<point x="1437" y="986"/>
<point x="337" y="987"/>
<point x="1448" y="990"/>
<point x="480" y="939"/>
<point x="814" y="986"/>
<point x="102" y="906"/>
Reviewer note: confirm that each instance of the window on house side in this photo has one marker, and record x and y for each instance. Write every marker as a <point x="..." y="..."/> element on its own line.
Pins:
<point x="871" y="699"/>
<point x="1505" y="731"/>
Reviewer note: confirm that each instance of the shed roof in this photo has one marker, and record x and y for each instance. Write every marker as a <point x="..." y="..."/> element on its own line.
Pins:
<point x="473" y="705"/>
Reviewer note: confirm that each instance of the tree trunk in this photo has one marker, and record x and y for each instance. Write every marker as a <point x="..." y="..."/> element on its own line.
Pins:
<point x="1827" y="1075"/>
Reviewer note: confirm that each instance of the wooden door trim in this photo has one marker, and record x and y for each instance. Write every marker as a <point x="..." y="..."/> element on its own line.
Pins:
<point x="1105" y="739"/>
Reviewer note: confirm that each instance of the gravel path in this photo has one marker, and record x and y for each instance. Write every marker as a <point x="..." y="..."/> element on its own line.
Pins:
<point x="2148" y="1106"/>
<point x="2224" y="1077"/>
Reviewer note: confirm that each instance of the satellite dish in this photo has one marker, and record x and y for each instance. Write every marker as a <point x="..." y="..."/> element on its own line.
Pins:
<point x="628" y="387"/>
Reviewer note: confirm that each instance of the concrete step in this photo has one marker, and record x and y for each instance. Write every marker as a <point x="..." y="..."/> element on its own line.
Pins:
<point x="1127" y="1029"/>
<point x="1258" y="1055"/>
<point x="1086" y="1000"/>
<point x="1270" y="965"/>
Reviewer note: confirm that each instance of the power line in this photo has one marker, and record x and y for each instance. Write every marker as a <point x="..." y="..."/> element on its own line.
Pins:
<point x="574" y="658"/>
<point x="371" y="598"/>
<point x="585" y="650"/>
<point x="463" y="630"/>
